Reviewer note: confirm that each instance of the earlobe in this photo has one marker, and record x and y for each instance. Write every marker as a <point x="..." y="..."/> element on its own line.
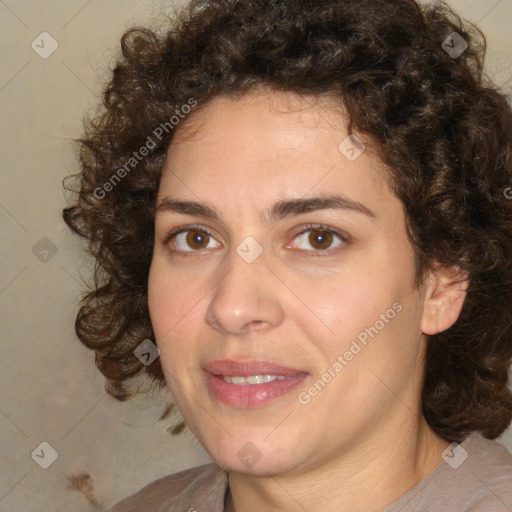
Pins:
<point x="445" y="292"/>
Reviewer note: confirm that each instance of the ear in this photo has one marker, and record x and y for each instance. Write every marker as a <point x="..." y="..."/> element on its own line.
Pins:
<point x="445" y="291"/>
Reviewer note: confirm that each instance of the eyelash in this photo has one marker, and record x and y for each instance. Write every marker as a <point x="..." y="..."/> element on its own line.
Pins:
<point x="308" y="227"/>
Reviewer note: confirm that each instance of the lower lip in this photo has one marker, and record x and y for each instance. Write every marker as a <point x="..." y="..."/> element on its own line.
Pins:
<point x="250" y="396"/>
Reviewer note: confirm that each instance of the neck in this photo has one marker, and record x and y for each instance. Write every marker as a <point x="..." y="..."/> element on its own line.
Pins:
<point x="368" y="478"/>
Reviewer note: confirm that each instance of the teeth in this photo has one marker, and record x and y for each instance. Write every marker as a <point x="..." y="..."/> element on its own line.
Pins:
<point x="252" y="379"/>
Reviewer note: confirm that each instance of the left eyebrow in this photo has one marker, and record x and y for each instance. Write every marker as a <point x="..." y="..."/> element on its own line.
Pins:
<point x="278" y="211"/>
<point x="287" y="208"/>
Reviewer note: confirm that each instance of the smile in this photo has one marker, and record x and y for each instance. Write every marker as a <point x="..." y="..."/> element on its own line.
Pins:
<point x="252" y="379"/>
<point x="250" y="384"/>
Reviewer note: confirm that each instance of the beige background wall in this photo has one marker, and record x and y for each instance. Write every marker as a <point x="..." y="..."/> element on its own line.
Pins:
<point x="49" y="388"/>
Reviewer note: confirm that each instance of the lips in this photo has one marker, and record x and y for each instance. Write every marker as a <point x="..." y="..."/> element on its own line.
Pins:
<point x="247" y="368"/>
<point x="239" y="392"/>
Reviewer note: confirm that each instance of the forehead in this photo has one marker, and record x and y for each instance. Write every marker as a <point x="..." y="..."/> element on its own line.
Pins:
<point x="282" y="121"/>
<point x="268" y="146"/>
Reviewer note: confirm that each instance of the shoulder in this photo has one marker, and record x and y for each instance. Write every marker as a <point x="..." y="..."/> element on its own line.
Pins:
<point x="490" y="469"/>
<point x="199" y="488"/>
<point x="475" y="476"/>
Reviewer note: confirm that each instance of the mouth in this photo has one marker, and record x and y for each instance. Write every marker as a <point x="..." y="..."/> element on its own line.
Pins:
<point x="250" y="380"/>
<point x="250" y="384"/>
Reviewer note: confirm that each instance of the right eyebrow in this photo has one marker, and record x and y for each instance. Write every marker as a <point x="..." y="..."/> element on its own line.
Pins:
<point x="168" y="205"/>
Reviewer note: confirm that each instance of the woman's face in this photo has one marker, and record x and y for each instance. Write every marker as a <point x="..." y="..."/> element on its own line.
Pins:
<point x="289" y="261"/>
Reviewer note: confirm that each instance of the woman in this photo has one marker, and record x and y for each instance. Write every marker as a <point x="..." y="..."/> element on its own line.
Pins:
<point x="303" y="204"/>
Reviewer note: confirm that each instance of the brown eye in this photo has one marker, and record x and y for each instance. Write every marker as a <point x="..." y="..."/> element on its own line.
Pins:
<point x="191" y="240"/>
<point x="320" y="239"/>
<point x="197" y="239"/>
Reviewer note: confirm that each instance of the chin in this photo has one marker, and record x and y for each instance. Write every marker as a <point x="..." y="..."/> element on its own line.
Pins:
<point x="254" y="455"/>
<point x="269" y="467"/>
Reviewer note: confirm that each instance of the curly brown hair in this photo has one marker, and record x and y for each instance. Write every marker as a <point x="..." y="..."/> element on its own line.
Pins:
<point x="440" y="125"/>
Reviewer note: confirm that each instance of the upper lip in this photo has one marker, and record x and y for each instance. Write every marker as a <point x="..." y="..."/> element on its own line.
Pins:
<point x="228" y="368"/>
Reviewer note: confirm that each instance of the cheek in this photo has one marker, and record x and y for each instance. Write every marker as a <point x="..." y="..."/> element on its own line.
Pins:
<point x="166" y="309"/>
<point x="162" y="304"/>
<point x="370" y="299"/>
<point x="172" y="298"/>
<point x="177" y="305"/>
<point x="348" y="303"/>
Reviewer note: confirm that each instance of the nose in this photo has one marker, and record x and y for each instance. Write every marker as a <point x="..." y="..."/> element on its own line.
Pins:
<point x="246" y="299"/>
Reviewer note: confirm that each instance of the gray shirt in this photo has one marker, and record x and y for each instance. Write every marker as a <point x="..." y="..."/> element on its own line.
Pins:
<point x="474" y="477"/>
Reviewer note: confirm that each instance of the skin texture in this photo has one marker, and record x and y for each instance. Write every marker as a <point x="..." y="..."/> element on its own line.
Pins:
<point x="361" y="442"/>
